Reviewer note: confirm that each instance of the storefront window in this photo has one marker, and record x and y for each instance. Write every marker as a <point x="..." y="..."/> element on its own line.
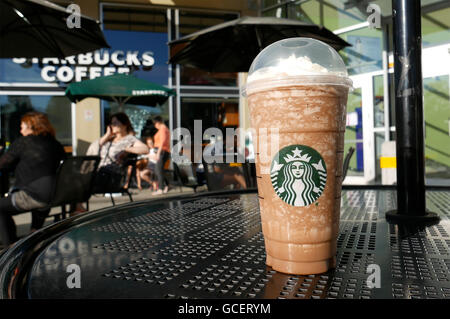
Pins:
<point x="212" y="112"/>
<point x="58" y="109"/>
<point x="310" y="11"/>
<point x="332" y="14"/>
<point x="141" y="31"/>
<point x="378" y="101"/>
<point x="139" y="37"/>
<point x="437" y="130"/>
<point x="435" y="27"/>
<point x="391" y="89"/>
<point x="149" y="49"/>
<point x="193" y="76"/>
<point x="139" y="115"/>
<point x="339" y="14"/>
<point x="365" y="54"/>
<point x="193" y="21"/>
<point x="379" y="140"/>
<point x="135" y="18"/>
<point x="20" y="70"/>
<point x="354" y="133"/>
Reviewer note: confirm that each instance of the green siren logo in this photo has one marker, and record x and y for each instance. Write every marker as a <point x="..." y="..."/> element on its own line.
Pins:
<point x="300" y="175"/>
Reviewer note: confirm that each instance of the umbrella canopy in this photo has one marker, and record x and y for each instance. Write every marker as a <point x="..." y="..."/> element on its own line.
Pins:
<point x="120" y="88"/>
<point x="232" y="46"/>
<point x="38" y="28"/>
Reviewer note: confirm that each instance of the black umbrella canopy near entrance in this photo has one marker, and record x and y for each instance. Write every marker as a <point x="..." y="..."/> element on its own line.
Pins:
<point x="38" y="28"/>
<point x="232" y="46"/>
<point x="120" y="88"/>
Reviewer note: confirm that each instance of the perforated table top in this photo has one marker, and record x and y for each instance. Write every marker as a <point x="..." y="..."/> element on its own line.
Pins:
<point x="213" y="247"/>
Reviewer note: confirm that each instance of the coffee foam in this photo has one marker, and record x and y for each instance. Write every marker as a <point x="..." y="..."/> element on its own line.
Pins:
<point x="294" y="71"/>
<point x="292" y="66"/>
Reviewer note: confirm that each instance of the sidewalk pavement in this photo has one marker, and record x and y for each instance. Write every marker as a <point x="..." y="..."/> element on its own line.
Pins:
<point x="23" y="221"/>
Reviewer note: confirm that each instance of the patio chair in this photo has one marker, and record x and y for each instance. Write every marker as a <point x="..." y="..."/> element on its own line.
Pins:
<point x="4" y="182"/>
<point x="347" y="158"/>
<point x="74" y="179"/>
<point x="250" y="174"/>
<point x="115" y="186"/>
<point x="185" y="175"/>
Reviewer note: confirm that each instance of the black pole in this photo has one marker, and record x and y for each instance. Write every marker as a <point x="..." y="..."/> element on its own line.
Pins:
<point x="409" y="114"/>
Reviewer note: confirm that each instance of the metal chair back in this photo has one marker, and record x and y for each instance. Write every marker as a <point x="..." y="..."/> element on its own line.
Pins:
<point x="347" y="158"/>
<point x="185" y="173"/>
<point x="74" y="180"/>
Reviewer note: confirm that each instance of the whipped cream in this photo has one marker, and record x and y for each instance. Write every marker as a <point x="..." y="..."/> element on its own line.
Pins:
<point x="292" y="66"/>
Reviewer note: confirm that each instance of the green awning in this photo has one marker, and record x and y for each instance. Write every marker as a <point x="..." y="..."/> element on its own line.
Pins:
<point x="120" y="88"/>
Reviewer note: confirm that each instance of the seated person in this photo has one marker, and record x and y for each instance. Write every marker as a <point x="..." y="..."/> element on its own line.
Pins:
<point x="113" y="148"/>
<point x="223" y="174"/>
<point x="145" y="166"/>
<point x="229" y="175"/>
<point x="35" y="157"/>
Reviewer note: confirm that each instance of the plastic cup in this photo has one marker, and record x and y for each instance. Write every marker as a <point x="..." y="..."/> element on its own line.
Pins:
<point x="299" y="87"/>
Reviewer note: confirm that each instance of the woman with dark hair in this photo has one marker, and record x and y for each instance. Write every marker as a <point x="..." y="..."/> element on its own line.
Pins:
<point x="114" y="147"/>
<point x="35" y="157"/>
<point x="119" y="140"/>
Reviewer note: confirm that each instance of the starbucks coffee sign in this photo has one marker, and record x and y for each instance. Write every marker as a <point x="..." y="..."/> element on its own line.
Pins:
<point x="91" y="65"/>
<point x="298" y="174"/>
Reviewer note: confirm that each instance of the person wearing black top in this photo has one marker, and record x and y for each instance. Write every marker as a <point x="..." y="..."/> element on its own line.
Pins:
<point x="34" y="157"/>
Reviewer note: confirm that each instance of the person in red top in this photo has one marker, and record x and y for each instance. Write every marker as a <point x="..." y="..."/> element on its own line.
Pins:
<point x="162" y="143"/>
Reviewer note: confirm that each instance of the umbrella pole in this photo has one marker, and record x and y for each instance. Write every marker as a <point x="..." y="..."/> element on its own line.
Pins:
<point x="258" y="38"/>
<point x="409" y="115"/>
<point x="119" y="102"/>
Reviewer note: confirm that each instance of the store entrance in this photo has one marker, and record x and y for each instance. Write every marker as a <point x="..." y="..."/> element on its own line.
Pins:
<point x="212" y="113"/>
<point x="359" y="132"/>
<point x="371" y="121"/>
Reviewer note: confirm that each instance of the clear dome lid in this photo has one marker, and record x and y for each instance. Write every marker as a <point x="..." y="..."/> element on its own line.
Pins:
<point x="297" y="61"/>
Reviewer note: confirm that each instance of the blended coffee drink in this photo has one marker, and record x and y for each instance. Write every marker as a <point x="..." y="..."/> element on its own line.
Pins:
<point x="299" y="86"/>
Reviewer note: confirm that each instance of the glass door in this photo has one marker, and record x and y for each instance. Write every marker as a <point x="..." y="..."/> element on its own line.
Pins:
<point x="359" y="132"/>
<point x="436" y="109"/>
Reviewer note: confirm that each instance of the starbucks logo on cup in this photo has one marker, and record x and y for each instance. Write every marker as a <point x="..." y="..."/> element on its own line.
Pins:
<point x="298" y="174"/>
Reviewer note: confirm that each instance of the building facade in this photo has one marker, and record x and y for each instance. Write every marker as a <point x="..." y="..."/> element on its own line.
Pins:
<point x="138" y="32"/>
<point x="368" y="26"/>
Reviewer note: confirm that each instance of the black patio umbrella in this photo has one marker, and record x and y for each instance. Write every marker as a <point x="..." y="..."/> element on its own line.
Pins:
<point x="38" y="28"/>
<point x="232" y="46"/>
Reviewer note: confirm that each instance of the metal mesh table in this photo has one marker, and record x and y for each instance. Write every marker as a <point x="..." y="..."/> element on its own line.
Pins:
<point x="213" y="247"/>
